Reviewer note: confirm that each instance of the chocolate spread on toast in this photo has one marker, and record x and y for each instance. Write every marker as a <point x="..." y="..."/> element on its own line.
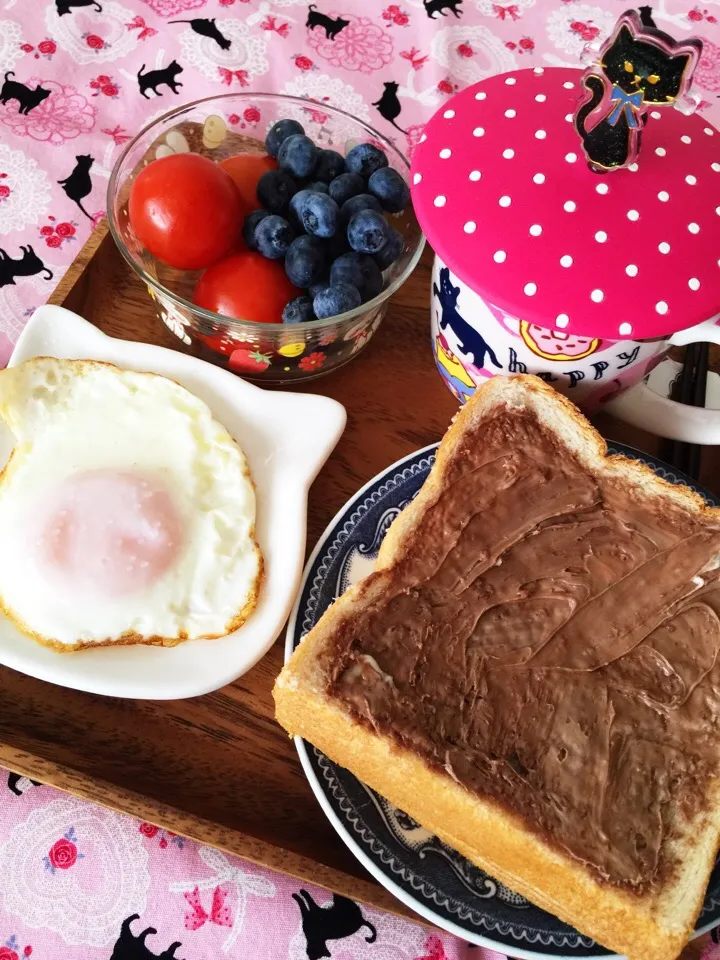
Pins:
<point x="551" y="641"/>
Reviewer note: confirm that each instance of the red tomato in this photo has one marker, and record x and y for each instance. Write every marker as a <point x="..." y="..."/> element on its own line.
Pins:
<point x="246" y="169"/>
<point x="246" y="286"/>
<point x="185" y="210"/>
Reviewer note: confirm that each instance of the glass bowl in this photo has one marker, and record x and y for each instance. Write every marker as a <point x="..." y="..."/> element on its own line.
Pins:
<point x="219" y="127"/>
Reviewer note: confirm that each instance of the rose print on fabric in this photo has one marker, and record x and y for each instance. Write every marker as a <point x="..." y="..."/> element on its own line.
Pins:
<point x="63" y="116"/>
<point x="245" y="55"/>
<point x="149" y="830"/>
<point x="90" y="36"/>
<point x="64" y="853"/>
<point x="11" y="949"/>
<point x="361" y="46"/>
<point x="560" y="26"/>
<point x="77" y="870"/>
<point x="490" y="55"/>
<point x="10" y="51"/>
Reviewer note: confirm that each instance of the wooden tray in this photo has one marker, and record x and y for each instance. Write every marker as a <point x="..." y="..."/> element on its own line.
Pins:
<point x="218" y="768"/>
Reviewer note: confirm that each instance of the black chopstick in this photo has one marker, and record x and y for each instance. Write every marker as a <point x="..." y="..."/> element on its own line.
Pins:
<point x="689" y="388"/>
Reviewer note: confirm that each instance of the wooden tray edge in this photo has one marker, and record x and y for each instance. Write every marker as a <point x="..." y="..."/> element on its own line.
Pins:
<point x="77" y="268"/>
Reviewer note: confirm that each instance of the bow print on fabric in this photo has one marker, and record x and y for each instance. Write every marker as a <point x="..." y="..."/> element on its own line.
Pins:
<point x="511" y="11"/>
<point x="138" y="23"/>
<point x="197" y="916"/>
<point x="226" y="876"/>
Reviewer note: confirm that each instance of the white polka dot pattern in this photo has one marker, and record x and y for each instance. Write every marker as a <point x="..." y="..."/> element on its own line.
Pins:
<point x="628" y="253"/>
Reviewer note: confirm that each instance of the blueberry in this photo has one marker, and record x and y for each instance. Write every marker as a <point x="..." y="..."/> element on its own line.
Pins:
<point x="367" y="231"/>
<point x="354" y="205"/>
<point x="249" y="224"/>
<point x="274" y="190"/>
<point x="299" y="310"/>
<point x="390" y="189"/>
<point x="330" y="164"/>
<point x="348" y="269"/>
<point x="392" y="249"/>
<point x="345" y="186"/>
<point x="335" y="299"/>
<point x="314" y="289"/>
<point x="296" y="208"/>
<point x="279" y="132"/>
<point x="305" y="261"/>
<point x="298" y="155"/>
<point x="320" y="215"/>
<point x="317" y="187"/>
<point x="336" y="246"/>
<point x="372" y="278"/>
<point x="365" y="159"/>
<point x="273" y="236"/>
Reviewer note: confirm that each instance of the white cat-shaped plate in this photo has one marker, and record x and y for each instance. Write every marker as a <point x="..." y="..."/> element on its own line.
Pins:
<point x="286" y="437"/>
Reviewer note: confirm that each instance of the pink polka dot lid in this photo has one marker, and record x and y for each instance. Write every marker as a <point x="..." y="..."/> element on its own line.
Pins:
<point x="502" y="189"/>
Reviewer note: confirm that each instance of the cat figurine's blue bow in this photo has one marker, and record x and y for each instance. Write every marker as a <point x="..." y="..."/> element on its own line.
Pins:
<point x="629" y="102"/>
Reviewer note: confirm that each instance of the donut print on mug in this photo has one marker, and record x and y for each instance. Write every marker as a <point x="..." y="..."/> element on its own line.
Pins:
<point x="579" y="260"/>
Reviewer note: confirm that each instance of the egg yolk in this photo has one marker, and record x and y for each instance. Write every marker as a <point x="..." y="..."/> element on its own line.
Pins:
<point x="112" y="532"/>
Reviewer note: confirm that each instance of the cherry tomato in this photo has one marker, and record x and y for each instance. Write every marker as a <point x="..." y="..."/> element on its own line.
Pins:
<point x="246" y="169"/>
<point x="246" y="286"/>
<point x="186" y="210"/>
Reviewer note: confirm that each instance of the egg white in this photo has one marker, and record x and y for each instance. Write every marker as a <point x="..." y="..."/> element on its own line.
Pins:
<point x="71" y="417"/>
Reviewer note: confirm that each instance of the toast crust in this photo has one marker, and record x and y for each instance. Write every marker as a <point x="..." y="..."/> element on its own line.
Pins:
<point x="650" y="926"/>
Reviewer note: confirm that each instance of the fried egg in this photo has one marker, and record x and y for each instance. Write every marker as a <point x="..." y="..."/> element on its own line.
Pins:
<point x="127" y="513"/>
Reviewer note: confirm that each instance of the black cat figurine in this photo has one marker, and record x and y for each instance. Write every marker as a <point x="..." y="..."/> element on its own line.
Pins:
<point x="640" y="67"/>
<point x="207" y="28"/>
<point x="25" y="96"/>
<point x="155" y="78"/>
<point x="471" y="343"/>
<point x="78" y="184"/>
<point x="389" y="105"/>
<point x="27" y="266"/>
<point x="341" y="919"/>
<point x="331" y="25"/>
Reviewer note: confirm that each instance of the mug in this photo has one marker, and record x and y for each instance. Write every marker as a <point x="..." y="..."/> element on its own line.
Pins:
<point x="473" y="340"/>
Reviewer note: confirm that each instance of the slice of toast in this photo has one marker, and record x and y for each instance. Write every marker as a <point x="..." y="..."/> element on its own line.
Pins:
<point x="566" y="745"/>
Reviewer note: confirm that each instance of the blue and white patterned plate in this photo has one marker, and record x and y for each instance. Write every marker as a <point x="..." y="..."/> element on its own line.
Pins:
<point x="408" y="860"/>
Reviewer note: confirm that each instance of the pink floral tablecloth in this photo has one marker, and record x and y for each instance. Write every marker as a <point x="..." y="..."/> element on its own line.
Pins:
<point x="78" y="882"/>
